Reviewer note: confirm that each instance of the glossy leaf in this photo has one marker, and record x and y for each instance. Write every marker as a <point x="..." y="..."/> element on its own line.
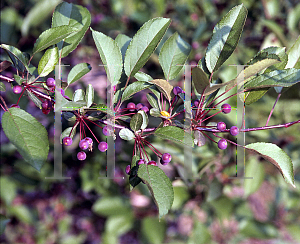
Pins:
<point x="28" y="135"/>
<point x="175" y="134"/>
<point x="110" y="55"/>
<point x="2" y="87"/>
<point x="141" y="76"/>
<point x="293" y="53"/>
<point x="123" y="42"/>
<point x="200" y="80"/>
<point x="74" y="16"/>
<point x="48" y="61"/>
<point x="226" y="35"/>
<point x="3" y="222"/>
<point x="52" y="36"/>
<point x="35" y="99"/>
<point x="136" y="122"/>
<point x="38" y="14"/>
<point x="254" y="95"/>
<point x="173" y="56"/>
<point x="78" y="71"/>
<point x="159" y="185"/>
<point x="68" y="132"/>
<point x="134" y="88"/>
<point x="145" y="119"/>
<point x="155" y="112"/>
<point x="143" y="44"/>
<point x="284" y="78"/>
<point x="152" y="100"/>
<point x="89" y="97"/>
<point x="78" y="95"/>
<point x="126" y="134"/>
<point x="277" y="157"/>
<point x="16" y="56"/>
<point x="163" y="86"/>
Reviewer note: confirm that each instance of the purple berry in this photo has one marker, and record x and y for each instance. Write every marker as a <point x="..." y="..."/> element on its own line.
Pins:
<point x="234" y="130"/>
<point x="196" y="103"/>
<point x="105" y="130"/>
<point x="131" y="106"/>
<point x="177" y="90"/>
<point x="152" y="163"/>
<point x="62" y="92"/>
<point x="50" y="82"/>
<point x="222" y="144"/>
<point x="67" y="141"/>
<point x="139" y="106"/>
<point x="127" y="170"/>
<point x="226" y="108"/>
<point x="17" y="89"/>
<point x="14" y="106"/>
<point x="89" y="140"/>
<point x="165" y="158"/>
<point x="81" y="156"/>
<point x="46" y="111"/>
<point x="145" y="109"/>
<point x="83" y="144"/>
<point x="102" y="146"/>
<point x="221" y="126"/>
<point x="141" y="161"/>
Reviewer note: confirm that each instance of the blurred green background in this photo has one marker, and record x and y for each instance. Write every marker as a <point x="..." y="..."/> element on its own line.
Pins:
<point x="208" y="209"/>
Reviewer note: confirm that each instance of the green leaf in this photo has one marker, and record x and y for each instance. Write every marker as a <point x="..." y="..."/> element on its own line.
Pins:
<point x="69" y="116"/>
<point x="3" y="222"/>
<point x="175" y="134"/>
<point x="154" y="230"/>
<point x="254" y="229"/>
<point x="38" y="14"/>
<point x="134" y="88"/>
<point x="78" y="95"/>
<point x="254" y="95"/>
<point x="110" y="55"/>
<point x="110" y="206"/>
<point x="141" y="76"/>
<point x="173" y="56"/>
<point x="277" y="157"/>
<point x="226" y="35"/>
<point x="48" y="61"/>
<point x="159" y="185"/>
<point x="126" y="134"/>
<point x="74" y="16"/>
<point x="257" y="171"/>
<point x="143" y="44"/>
<point x="163" y="86"/>
<point x="293" y="53"/>
<point x="284" y="78"/>
<point x="155" y="112"/>
<point x="67" y="105"/>
<point x="28" y="135"/>
<point x="119" y="224"/>
<point x="136" y="122"/>
<point x="152" y="100"/>
<point x="2" y="87"/>
<point x="16" y="56"/>
<point x="89" y="95"/>
<point x="123" y="42"/>
<point x="200" y="80"/>
<point x="35" y="99"/>
<point x="78" y="71"/>
<point x="145" y="119"/>
<point x="52" y="36"/>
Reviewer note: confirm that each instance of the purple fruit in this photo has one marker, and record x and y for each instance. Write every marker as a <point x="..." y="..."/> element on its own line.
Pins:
<point x="81" y="156"/>
<point x="234" y="130"/>
<point x="50" y="82"/>
<point x="83" y="144"/>
<point x="89" y="140"/>
<point x="127" y="170"/>
<point x="177" y="90"/>
<point x="14" y="106"/>
<point x="165" y="158"/>
<point x="17" y="89"/>
<point x="221" y="126"/>
<point x="139" y="106"/>
<point x="67" y="141"/>
<point x="102" y="146"/>
<point x="222" y="144"/>
<point x="131" y="106"/>
<point x="145" y="109"/>
<point x="226" y="108"/>
<point x="141" y="161"/>
<point x="46" y="111"/>
<point x="105" y="130"/>
<point x="152" y="163"/>
<point x="196" y="103"/>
